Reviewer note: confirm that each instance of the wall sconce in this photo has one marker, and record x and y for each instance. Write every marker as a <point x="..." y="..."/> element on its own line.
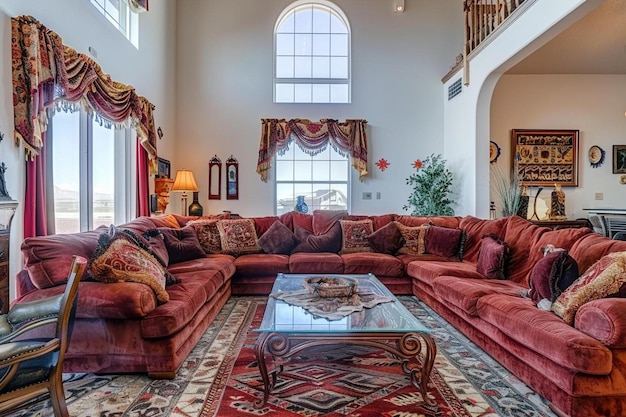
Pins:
<point x="184" y="182"/>
<point x="398" y="6"/>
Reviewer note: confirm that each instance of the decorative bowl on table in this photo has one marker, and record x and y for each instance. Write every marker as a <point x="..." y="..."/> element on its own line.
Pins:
<point x="330" y="287"/>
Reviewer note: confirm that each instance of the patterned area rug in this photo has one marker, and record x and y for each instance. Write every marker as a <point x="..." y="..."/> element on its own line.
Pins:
<point x="220" y="378"/>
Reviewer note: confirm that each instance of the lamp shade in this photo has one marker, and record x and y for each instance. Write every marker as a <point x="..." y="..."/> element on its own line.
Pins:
<point x="184" y="181"/>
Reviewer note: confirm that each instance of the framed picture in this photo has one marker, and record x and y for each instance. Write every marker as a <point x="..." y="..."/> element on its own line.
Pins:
<point x="546" y="157"/>
<point x="163" y="168"/>
<point x="215" y="178"/>
<point x="232" y="179"/>
<point x="619" y="159"/>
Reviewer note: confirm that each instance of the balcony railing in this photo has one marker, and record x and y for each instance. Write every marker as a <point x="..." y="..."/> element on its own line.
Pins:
<point x="483" y="18"/>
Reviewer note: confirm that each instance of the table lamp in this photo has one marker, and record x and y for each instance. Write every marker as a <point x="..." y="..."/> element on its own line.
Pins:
<point x="184" y="182"/>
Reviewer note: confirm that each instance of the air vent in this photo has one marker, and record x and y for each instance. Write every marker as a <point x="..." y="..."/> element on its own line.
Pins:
<point x="455" y="89"/>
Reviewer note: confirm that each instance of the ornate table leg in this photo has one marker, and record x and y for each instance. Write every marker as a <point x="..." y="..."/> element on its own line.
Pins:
<point x="277" y="345"/>
<point x="410" y="344"/>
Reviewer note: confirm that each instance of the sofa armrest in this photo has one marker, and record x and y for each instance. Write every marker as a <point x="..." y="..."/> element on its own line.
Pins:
<point x="604" y="320"/>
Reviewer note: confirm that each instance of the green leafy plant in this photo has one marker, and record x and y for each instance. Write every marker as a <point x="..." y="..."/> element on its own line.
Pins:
<point x="507" y="187"/>
<point x="431" y="184"/>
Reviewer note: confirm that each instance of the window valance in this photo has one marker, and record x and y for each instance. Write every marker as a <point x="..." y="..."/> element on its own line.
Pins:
<point x="45" y="72"/>
<point x="347" y="137"/>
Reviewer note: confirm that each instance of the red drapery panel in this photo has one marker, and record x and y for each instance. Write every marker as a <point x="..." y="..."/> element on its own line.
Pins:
<point x="143" y="191"/>
<point x="35" y="213"/>
<point x="45" y="71"/>
<point x="347" y="137"/>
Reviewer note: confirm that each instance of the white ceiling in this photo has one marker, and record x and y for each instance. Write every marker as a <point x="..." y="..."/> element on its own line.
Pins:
<point x="596" y="44"/>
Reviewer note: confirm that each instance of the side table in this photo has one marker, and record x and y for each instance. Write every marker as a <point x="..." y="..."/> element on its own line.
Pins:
<point x="7" y="210"/>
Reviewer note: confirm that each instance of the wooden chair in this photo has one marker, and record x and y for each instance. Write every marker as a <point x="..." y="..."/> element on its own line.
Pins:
<point x="31" y="369"/>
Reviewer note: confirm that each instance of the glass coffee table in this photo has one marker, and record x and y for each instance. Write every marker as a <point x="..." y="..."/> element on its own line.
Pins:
<point x="288" y="329"/>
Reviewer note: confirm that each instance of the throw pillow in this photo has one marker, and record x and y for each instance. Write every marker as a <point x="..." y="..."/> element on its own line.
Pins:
<point x="278" y="239"/>
<point x="602" y="279"/>
<point x="238" y="236"/>
<point x="155" y="240"/>
<point x="413" y="237"/>
<point x="551" y="276"/>
<point x="354" y="235"/>
<point x="182" y="244"/>
<point x="446" y="242"/>
<point x="208" y="234"/>
<point x="493" y="256"/>
<point x="328" y="242"/>
<point x="387" y="239"/>
<point x="120" y="257"/>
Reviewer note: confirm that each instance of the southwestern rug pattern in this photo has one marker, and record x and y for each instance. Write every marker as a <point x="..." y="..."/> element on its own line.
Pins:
<point x="220" y="378"/>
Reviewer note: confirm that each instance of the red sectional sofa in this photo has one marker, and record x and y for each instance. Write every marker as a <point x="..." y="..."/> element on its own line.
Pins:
<point x="579" y="368"/>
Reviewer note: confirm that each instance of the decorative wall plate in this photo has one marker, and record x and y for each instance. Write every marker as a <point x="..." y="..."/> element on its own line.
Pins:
<point x="494" y="151"/>
<point x="596" y="156"/>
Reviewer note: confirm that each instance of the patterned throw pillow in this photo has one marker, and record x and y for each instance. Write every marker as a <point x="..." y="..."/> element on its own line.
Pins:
<point x="278" y="239"/>
<point x="602" y="279"/>
<point x="493" y="256"/>
<point x="208" y="234"/>
<point x="182" y="244"/>
<point x="387" y="239"/>
<point x="446" y="242"/>
<point x="120" y="257"/>
<point x="238" y="236"/>
<point x="354" y="235"/>
<point x="413" y="237"/>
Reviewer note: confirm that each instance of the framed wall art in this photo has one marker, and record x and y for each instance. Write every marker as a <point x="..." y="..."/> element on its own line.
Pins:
<point x="232" y="179"/>
<point x="163" y="168"/>
<point x="546" y="157"/>
<point x="215" y="178"/>
<point x="619" y="159"/>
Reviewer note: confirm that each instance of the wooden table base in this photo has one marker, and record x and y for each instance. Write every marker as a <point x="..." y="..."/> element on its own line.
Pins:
<point x="407" y="346"/>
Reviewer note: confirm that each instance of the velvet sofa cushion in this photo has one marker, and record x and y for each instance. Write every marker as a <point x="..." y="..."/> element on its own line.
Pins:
<point x="412" y="239"/>
<point x="446" y="242"/>
<point x="315" y="263"/>
<point x="261" y="264"/>
<point x="324" y="220"/>
<point x="593" y="246"/>
<point x="475" y="229"/>
<point x="182" y="244"/>
<point x="207" y="233"/>
<point x="378" y="221"/>
<point x="602" y="279"/>
<point x="354" y="235"/>
<point x="429" y="270"/>
<point x="48" y="258"/>
<point x="222" y="263"/>
<point x="464" y="294"/>
<point x="263" y="224"/>
<point x="412" y="221"/>
<point x="328" y="242"/>
<point x="278" y="239"/>
<point x="379" y="264"/>
<point x="546" y="334"/>
<point x="121" y="257"/>
<point x="386" y="239"/>
<point x="604" y="320"/>
<point x="238" y="236"/>
<point x="552" y="275"/>
<point x="492" y="258"/>
<point x="520" y="234"/>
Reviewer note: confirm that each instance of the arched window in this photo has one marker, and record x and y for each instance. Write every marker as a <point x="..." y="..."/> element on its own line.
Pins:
<point x="312" y="54"/>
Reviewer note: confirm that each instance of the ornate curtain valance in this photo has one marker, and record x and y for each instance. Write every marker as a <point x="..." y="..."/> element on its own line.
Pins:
<point x="312" y="137"/>
<point x="46" y="72"/>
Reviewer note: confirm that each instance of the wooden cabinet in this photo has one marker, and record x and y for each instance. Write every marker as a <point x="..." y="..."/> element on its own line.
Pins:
<point x="7" y="210"/>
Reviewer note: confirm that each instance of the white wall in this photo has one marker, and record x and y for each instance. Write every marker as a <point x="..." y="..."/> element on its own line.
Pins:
<point x="467" y="128"/>
<point x="151" y="70"/>
<point x="224" y="85"/>
<point x="592" y="104"/>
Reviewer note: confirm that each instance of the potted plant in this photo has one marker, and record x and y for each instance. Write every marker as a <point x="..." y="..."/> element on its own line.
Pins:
<point x="431" y="184"/>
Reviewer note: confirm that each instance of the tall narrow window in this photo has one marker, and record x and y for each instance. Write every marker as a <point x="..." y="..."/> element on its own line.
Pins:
<point x="118" y="13"/>
<point x="91" y="166"/>
<point x="312" y="54"/>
